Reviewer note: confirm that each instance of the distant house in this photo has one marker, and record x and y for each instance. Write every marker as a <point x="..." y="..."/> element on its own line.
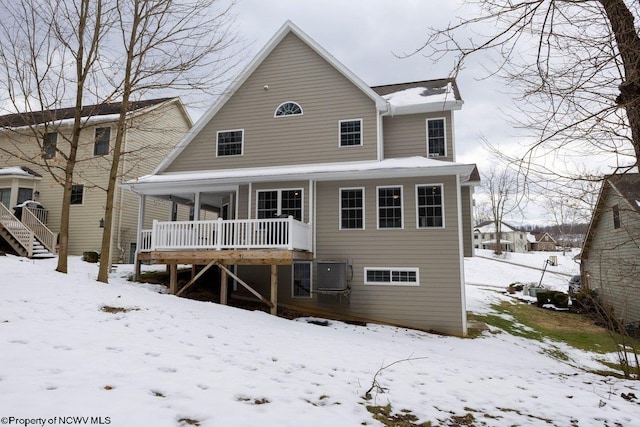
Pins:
<point x="511" y="239"/>
<point x="610" y="259"/>
<point x="543" y="242"/>
<point x="337" y="198"/>
<point x="31" y="146"/>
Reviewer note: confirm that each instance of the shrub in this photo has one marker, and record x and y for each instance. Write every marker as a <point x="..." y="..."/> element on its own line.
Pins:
<point x="557" y="298"/>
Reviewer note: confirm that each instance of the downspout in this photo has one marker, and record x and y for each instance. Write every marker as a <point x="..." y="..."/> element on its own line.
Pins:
<point x="380" y="130"/>
<point x="249" y="201"/>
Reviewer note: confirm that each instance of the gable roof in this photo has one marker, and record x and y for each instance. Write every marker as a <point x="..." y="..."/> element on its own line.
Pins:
<point x="47" y="116"/>
<point x="489" y="227"/>
<point x="19" y="171"/>
<point x="287" y="27"/>
<point x="627" y="186"/>
<point x="422" y="96"/>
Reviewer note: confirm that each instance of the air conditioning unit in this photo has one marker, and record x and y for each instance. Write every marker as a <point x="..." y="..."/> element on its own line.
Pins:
<point x="332" y="275"/>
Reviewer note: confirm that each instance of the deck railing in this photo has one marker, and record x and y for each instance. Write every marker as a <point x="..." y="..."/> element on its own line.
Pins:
<point x="17" y="229"/>
<point x="276" y="233"/>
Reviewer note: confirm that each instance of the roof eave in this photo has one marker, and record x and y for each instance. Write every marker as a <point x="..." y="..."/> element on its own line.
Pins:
<point x="431" y="107"/>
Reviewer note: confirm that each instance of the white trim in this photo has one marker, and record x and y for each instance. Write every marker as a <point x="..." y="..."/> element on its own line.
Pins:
<point x="391" y="270"/>
<point x="250" y="201"/>
<point x="453" y="137"/>
<point x="340" y="208"/>
<point x="293" y="295"/>
<point x="228" y="205"/>
<point x="444" y="124"/>
<point x="287" y="27"/>
<point x="340" y="133"/>
<point x="418" y="206"/>
<point x="288" y="115"/>
<point x="279" y="207"/>
<point x="378" y="207"/>
<point x="463" y="297"/>
<point x="241" y="142"/>
<point x="379" y="136"/>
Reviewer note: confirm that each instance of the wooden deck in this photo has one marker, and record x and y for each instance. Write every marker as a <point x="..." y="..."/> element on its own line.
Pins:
<point x="223" y="243"/>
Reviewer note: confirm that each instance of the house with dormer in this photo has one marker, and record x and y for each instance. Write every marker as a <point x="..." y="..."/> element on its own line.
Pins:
<point x="335" y="197"/>
<point x="33" y="149"/>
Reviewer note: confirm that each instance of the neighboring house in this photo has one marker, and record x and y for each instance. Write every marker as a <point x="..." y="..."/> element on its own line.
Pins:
<point x="32" y="144"/>
<point x="336" y="198"/>
<point x="511" y="239"/>
<point x="610" y="259"/>
<point x="543" y="242"/>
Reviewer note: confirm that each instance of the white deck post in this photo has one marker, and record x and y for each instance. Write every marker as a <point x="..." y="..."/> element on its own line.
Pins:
<point x="219" y="232"/>
<point x="290" y="233"/>
<point x="154" y="234"/>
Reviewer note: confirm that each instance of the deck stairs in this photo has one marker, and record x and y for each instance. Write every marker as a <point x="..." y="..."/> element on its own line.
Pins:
<point x="24" y="240"/>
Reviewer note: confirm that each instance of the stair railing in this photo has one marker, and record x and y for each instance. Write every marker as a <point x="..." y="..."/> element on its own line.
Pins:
<point x="17" y="229"/>
<point x="47" y="237"/>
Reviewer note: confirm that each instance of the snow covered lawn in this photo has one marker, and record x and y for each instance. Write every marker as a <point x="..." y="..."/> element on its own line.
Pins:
<point x="70" y="347"/>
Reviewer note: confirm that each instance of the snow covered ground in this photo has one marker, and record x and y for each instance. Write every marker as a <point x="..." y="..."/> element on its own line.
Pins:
<point x="171" y="361"/>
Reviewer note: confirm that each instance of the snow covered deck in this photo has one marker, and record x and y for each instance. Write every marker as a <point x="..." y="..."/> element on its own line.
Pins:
<point x="276" y="233"/>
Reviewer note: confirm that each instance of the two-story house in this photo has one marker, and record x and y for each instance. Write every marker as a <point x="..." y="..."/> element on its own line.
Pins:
<point x="511" y="239"/>
<point x="335" y="197"/>
<point x="33" y="147"/>
<point x="610" y="258"/>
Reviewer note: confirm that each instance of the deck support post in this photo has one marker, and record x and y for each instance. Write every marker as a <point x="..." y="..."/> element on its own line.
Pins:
<point x="274" y="289"/>
<point x="223" y="285"/>
<point x="173" y="278"/>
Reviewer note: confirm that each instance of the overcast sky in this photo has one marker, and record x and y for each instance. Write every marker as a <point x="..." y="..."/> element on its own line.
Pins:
<point x="366" y="36"/>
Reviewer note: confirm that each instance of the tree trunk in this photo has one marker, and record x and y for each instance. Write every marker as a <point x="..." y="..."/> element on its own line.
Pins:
<point x="628" y="42"/>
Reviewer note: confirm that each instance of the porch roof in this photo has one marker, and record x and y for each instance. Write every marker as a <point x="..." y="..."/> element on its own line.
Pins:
<point x="418" y="166"/>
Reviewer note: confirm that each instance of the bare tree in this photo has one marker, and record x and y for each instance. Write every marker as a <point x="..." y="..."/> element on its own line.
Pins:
<point x="575" y="66"/>
<point x="166" y="45"/>
<point x="48" y="55"/>
<point x="506" y="195"/>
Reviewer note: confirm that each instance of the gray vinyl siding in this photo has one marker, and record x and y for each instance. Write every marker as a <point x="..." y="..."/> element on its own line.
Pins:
<point x="612" y="264"/>
<point x="292" y="72"/>
<point x="436" y="303"/>
<point x="406" y="135"/>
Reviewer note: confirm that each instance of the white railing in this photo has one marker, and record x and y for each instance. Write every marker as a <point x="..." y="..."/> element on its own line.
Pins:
<point x="17" y="229"/>
<point x="276" y="233"/>
<point x="32" y="218"/>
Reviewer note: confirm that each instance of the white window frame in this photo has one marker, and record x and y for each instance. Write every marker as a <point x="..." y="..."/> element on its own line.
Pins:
<point x="444" y="124"/>
<point x="391" y="270"/>
<point x="96" y="140"/>
<point x="340" y="207"/>
<point x="241" y="143"/>
<point x="293" y="295"/>
<point x="275" y="113"/>
<point x="401" y="207"/>
<point x="418" y="226"/>
<point x="340" y="133"/>
<point x="279" y="191"/>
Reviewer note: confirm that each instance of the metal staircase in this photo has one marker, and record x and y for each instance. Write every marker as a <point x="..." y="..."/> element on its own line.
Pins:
<point x="35" y="242"/>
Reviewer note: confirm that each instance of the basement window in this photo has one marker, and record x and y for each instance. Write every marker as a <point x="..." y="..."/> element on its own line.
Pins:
<point x="391" y="276"/>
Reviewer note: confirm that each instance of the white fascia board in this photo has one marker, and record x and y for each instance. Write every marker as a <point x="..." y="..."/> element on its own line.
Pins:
<point x="433" y="107"/>
<point x="181" y="182"/>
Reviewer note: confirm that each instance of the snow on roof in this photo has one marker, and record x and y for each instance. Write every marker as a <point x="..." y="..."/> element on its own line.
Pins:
<point x="491" y="228"/>
<point x="420" y="95"/>
<point x="531" y="238"/>
<point x="408" y="166"/>
<point x="13" y="170"/>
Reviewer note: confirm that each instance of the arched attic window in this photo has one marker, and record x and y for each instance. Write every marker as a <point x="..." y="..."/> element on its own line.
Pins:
<point x="288" y="108"/>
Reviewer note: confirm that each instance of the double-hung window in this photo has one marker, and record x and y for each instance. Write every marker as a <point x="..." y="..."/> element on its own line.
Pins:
<point x="49" y="143"/>
<point x="351" y="208"/>
<point x="350" y="132"/>
<point x="429" y="206"/>
<point x="436" y="138"/>
<point x="101" y="144"/>
<point x="77" y="194"/>
<point x="274" y="203"/>
<point x="230" y="143"/>
<point x="390" y="207"/>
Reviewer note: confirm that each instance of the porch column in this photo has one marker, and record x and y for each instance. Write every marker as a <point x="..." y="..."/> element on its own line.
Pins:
<point x="141" y="211"/>
<point x="196" y="207"/>
<point x="223" y="285"/>
<point x="274" y="289"/>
